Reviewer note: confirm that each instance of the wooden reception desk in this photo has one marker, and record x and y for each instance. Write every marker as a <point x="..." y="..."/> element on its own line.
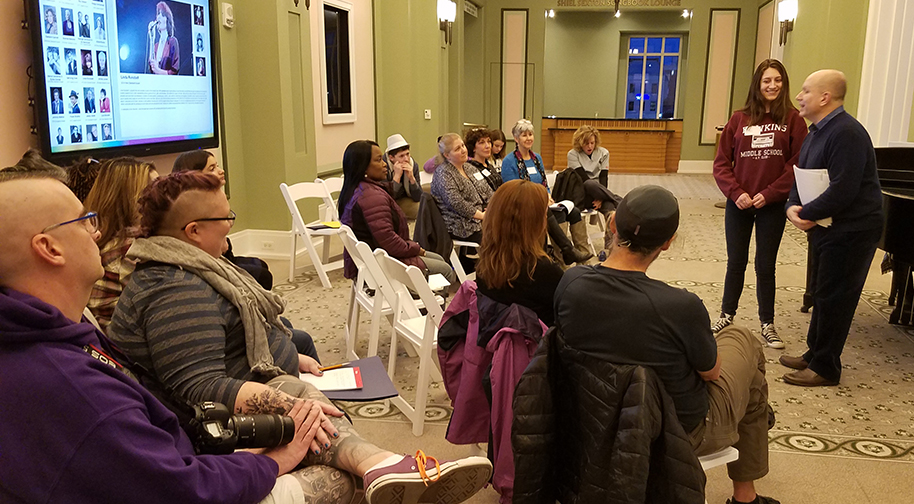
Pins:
<point x="634" y="145"/>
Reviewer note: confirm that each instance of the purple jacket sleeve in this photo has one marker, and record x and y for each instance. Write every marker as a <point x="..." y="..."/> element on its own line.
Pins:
<point x="141" y="463"/>
<point x="377" y="206"/>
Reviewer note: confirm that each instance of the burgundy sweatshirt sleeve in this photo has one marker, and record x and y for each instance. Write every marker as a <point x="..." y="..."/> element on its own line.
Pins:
<point x="723" y="162"/>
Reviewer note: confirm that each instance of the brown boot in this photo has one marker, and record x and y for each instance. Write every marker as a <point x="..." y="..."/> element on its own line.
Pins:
<point x="579" y="238"/>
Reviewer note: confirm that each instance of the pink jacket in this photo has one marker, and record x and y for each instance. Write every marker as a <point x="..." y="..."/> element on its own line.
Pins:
<point x="506" y="339"/>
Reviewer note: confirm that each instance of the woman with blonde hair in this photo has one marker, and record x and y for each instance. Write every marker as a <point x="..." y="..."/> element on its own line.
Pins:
<point x="114" y="197"/>
<point x="461" y="193"/>
<point x="512" y="266"/>
<point x="590" y="162"/>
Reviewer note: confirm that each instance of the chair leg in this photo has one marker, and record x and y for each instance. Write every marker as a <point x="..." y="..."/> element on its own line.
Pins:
<point x="421" y="393"/>
<point x="375" y="330"/>
<point x="392" y="358"/>
<point x="292" y="256"/>
<point x="318" y="266"/>
<point x="325" y="242"/>
<point x="351" y="328"/>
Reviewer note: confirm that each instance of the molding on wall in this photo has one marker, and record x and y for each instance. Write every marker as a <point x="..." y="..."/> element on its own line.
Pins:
<point x="271" y="244"/>
<point x="888" y="71"/>
<point x="696" y="166"/>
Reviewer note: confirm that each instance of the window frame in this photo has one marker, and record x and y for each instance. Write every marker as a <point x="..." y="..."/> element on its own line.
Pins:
<point x="661" y="56"/>
<point x="328" y="116"/>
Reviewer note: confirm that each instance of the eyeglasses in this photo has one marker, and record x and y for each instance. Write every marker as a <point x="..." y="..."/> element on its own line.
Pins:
<point x="230" y="219"/>
<point x="90" y="221"/>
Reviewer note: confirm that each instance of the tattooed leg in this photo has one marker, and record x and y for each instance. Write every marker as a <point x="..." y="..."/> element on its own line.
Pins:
<point x="348" y="452"/>
<point x="326" y="485"/>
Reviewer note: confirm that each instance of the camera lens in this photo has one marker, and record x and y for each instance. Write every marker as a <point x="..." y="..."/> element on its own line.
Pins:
<point x="263" y="431"/>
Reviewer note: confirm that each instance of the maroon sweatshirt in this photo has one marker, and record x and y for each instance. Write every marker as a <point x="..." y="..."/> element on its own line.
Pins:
<point x="759" y="159"/>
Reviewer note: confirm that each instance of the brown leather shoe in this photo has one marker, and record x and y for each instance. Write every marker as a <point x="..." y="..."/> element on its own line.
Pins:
<point x="793" y="362"/>
<point x="808" y="378"/>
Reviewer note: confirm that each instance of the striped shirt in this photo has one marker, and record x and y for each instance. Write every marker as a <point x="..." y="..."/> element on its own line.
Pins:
<point x="189" y="336"/>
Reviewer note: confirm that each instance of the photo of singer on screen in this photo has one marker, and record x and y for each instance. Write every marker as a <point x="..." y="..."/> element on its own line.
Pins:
<point x="152" y="35"/>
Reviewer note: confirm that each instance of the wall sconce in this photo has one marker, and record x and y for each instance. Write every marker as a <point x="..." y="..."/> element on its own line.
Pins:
<point x="787" y="13"/>
<point x="616" y="8"/>
<point x="447" y="14"/>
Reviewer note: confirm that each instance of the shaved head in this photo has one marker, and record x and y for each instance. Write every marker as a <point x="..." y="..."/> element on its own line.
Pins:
<point x="27" y="206"/>
<point x="190" y="205"/>
<point x="829" y="81"/>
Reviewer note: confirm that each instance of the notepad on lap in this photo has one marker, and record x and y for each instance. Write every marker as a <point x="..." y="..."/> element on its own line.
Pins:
<point x="347" y="378"/>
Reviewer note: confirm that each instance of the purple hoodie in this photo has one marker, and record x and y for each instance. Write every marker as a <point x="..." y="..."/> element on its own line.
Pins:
<point x="76" y="430"/>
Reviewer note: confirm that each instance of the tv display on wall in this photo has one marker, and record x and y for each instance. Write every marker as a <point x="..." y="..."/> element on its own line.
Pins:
<point x="123" y="77"/>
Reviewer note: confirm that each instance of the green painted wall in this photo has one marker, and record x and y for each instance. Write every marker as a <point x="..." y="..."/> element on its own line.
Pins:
<point x="268" y="109"/>
<point x="407" y="60"/>
<point x="584" y="53"/>
<point x="691" y="92"/>
<point x="828" y="34"/>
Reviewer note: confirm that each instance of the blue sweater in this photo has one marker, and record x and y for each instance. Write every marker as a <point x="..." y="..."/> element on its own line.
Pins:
<point x="853" y="200"/>
<point x="76" y="430"/>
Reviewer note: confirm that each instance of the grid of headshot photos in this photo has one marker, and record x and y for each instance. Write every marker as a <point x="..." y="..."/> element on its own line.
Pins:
<point x="77" y="73"/>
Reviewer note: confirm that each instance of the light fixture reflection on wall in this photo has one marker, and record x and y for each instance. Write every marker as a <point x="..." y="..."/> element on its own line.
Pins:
<point x="686" y="13"/>
<point x="447" y="14"/>
<point x="787" y="13"/>
<point x="550" y="13"/>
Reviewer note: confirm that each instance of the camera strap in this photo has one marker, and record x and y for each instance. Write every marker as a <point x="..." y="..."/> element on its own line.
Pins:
<point x="99" y="355"/>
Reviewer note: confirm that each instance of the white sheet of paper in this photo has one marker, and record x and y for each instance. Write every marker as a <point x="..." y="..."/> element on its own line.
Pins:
<point x="566" y="205"/>
<point x="437" y="281"/>
<point x="811" y="183"/>
<point x="333" y="379"/>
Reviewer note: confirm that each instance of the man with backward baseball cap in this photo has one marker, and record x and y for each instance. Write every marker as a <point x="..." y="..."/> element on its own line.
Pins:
<point x="615" y="312"/>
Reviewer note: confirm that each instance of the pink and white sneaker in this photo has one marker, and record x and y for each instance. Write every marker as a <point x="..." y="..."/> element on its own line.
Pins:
<point x="424" y="479"/>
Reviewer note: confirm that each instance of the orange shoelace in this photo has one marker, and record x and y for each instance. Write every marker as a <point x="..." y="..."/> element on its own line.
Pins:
<point x="422" y="460"/>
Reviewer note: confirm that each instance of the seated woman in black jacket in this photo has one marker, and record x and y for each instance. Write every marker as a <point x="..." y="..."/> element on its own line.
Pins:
<point x="512" y="266"/>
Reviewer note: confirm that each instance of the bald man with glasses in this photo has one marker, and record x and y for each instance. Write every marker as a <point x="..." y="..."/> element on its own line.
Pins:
<point x="75" y="427"/>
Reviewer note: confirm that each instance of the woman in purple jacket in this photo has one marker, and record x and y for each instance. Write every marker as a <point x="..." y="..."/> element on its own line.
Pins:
<point x="367" y="207"/>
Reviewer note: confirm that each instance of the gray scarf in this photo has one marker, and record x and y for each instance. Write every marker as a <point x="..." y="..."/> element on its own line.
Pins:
<point x="259" y="308"/>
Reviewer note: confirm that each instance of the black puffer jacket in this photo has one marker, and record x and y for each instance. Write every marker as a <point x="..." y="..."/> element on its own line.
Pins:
<point x="589" y="431"/>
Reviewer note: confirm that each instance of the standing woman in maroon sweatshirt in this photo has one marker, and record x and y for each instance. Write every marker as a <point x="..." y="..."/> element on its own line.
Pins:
<point x="754" y="170"/>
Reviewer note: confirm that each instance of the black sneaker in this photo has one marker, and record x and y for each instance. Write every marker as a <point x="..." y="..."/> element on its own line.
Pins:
<point x="759" y="499"/>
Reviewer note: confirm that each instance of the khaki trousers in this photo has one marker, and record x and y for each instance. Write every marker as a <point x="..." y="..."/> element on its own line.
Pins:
<point x="738" y="406"/>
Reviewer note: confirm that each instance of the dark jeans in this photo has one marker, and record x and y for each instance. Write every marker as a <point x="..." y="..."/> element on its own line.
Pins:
<point x="769" y="224"/>
<point x="842" y="262"/>
<point x="302" y="341"/>
<point x="468" y="263"/>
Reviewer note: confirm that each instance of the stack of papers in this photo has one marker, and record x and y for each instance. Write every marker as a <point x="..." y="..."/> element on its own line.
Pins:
<point x="811" y="183"/>
<point x="347" y="378"/>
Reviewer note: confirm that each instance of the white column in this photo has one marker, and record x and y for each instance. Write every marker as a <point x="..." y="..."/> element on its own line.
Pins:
<point x="887" y="80"/>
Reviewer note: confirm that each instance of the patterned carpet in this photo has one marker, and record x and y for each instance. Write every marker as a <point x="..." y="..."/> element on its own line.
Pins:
<point x="870" y="415"/>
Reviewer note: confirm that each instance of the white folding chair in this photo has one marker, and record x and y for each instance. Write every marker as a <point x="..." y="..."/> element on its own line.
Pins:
<point x="416" y="329"/>
<point x="370" y="277"/>
<point x="455" y="260"/>
<point x="332" y="185"/>
<point x="302" y="191"/>
<point x="725" y="456"/>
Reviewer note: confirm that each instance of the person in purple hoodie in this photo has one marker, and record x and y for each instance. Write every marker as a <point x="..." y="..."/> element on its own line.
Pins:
<point x="75" y="427"/>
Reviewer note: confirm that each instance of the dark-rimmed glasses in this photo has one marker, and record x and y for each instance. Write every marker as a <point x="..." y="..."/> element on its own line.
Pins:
<point x="230" y="219"/>
<point x="90" y="219"/>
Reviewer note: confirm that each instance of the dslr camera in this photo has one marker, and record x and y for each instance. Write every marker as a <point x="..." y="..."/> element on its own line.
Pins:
<point x="218" y="432"/>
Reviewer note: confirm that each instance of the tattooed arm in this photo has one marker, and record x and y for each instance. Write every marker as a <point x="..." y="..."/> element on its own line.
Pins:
<point x="258" y="399"/>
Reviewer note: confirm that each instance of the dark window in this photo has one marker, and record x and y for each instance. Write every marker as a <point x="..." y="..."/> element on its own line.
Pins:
<point x="336" y="32"/>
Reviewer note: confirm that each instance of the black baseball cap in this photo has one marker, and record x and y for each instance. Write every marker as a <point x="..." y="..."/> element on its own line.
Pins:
<point x="648" y="216"/>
